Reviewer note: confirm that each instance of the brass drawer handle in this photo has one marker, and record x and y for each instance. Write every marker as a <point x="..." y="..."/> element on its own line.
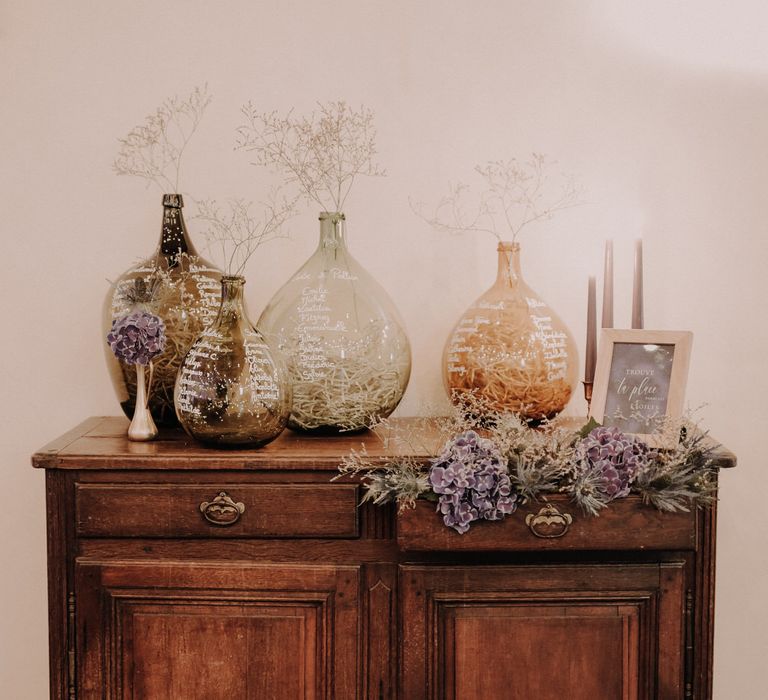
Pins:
<point x="549" y="522"/>
<point x="222" y="510"/>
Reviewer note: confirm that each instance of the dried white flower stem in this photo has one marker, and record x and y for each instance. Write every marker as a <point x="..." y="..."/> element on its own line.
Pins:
<point x="513" y="197"/>
<point x="322" y="153"/>
<point x="237" y="233"/>
<point x="153" y="150"/>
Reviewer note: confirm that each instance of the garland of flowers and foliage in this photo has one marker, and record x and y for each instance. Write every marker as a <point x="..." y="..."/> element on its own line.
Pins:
<point x="486" y="473"/>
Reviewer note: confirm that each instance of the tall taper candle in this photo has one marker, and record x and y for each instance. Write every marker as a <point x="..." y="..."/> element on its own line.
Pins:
<point x="607" y="321"/>
<point x="591" y="353"/>
<point x="637" y="287"/>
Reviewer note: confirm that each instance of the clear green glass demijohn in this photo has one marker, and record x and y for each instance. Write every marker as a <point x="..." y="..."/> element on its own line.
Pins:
<point x="348" y="357"/>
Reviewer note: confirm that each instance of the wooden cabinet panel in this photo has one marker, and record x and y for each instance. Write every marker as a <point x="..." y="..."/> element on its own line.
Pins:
<point x="641" y="527"/>
<point x="217" y="650"/>
<point x="577" y="651"/>
<point x="178" y="631"/>
<point x="174" y="510"/>
<point x="545" y="632"/>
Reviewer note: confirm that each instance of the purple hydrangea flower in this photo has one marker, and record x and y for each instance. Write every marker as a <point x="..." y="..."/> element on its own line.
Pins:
<point x="614" y="458"/>
<point x="137" y="338"/>
<point x="470" y="477"/>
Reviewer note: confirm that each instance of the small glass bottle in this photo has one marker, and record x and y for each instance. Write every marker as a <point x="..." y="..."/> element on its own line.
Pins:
<point x="180" y="287"/>
<point x="510" y="352"/>
<point x="232" y="389"/>
<point x="348" y="356"/>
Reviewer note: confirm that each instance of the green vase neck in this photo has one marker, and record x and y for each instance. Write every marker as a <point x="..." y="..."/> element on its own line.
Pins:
<point x="174" y="241"/>
<point x="508" y="274"/>
<point x="333" y="234"/>
<point x="232" y="309"/>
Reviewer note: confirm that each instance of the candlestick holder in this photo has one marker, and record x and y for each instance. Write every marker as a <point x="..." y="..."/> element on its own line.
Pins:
<point x="588" y="395"/>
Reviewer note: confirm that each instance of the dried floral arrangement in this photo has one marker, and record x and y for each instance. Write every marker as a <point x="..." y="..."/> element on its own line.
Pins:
<point x="137" y="338"/>
<point x="153" y="150"/>
<point x="514" y="194"/>
<point x="499" y="360"/>
<point x="485" y="473"/>
<point x="322" y="153"/>
<point x="234" y="231"/>
<point x="159" y="291"/>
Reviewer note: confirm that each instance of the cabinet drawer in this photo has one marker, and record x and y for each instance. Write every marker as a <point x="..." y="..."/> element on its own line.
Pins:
<point x="626" y="524"/>
<point x="217" y="510"/>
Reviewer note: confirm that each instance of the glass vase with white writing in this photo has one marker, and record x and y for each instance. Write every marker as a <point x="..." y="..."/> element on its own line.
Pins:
<point x="348" y="357"/>
<point x="509" y="351"/>
<point x="180" y="287"/>
<point x="232" y="389"/>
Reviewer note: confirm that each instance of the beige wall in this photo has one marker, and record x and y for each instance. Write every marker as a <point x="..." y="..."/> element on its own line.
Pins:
<point x="661" y="108"/>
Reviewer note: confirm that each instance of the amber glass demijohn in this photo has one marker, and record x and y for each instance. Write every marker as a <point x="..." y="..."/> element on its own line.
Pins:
<point x="510" y="350"/>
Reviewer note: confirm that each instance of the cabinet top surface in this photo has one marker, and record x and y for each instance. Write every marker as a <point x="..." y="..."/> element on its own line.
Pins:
<point x="102" y="443"/>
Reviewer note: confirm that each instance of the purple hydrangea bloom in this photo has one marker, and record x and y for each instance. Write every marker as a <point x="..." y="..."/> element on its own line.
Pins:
<point x="614" y="458"/>
<point x="470" y="477"/>
<point x="137" y="338"/>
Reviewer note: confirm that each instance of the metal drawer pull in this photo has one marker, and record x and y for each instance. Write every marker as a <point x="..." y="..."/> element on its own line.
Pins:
<point x="222" y="510"/>
<point x="549" y="522"/>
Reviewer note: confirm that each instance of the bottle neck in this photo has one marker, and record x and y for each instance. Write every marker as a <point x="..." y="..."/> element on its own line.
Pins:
<point x="508" y="274"/>
<point x="231" y="310"/>
<point x="174" y="241"/>
<point x="333" y="233"/>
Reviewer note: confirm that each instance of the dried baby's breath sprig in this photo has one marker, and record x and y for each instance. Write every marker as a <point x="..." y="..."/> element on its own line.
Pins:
<point x="322" y="153"/>
<point x="236" y="232"/>
<point x="153" y="150"/>
<point x="514" y="195"/>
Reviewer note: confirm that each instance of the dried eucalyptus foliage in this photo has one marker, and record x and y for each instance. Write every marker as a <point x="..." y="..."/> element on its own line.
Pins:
<point x="153" y="150"/>
<point x="234" y="232"/>
<point x="678" y="479"/>
<point x="513" y="194"/>
<point x="322" y="153"/>
<point x="401" y="476"/>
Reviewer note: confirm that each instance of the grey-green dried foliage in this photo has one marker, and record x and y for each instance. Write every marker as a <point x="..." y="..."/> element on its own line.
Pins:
<point x="541" y="462"/>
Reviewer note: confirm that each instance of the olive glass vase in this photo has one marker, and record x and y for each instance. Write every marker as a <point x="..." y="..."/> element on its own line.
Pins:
<point x="232" y="389"/>
<point x="180" y="287"/>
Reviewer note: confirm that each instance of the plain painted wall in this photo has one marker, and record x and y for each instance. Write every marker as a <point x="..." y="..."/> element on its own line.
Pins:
<point x="660" y="108"/>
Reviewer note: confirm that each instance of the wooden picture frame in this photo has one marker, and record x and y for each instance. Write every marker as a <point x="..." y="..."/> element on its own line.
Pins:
<point x="640" y="379"/>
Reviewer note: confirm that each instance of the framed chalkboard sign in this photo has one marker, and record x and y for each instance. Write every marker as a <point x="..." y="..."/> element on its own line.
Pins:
<point x="640" y="382"/>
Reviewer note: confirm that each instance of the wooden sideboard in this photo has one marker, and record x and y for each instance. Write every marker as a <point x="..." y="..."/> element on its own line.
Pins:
<point x="178" y="572"/>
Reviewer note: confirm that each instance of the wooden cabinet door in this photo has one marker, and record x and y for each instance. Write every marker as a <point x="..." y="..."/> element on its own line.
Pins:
<point x="591" y="632"/>
<point x="183" y="631"/>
